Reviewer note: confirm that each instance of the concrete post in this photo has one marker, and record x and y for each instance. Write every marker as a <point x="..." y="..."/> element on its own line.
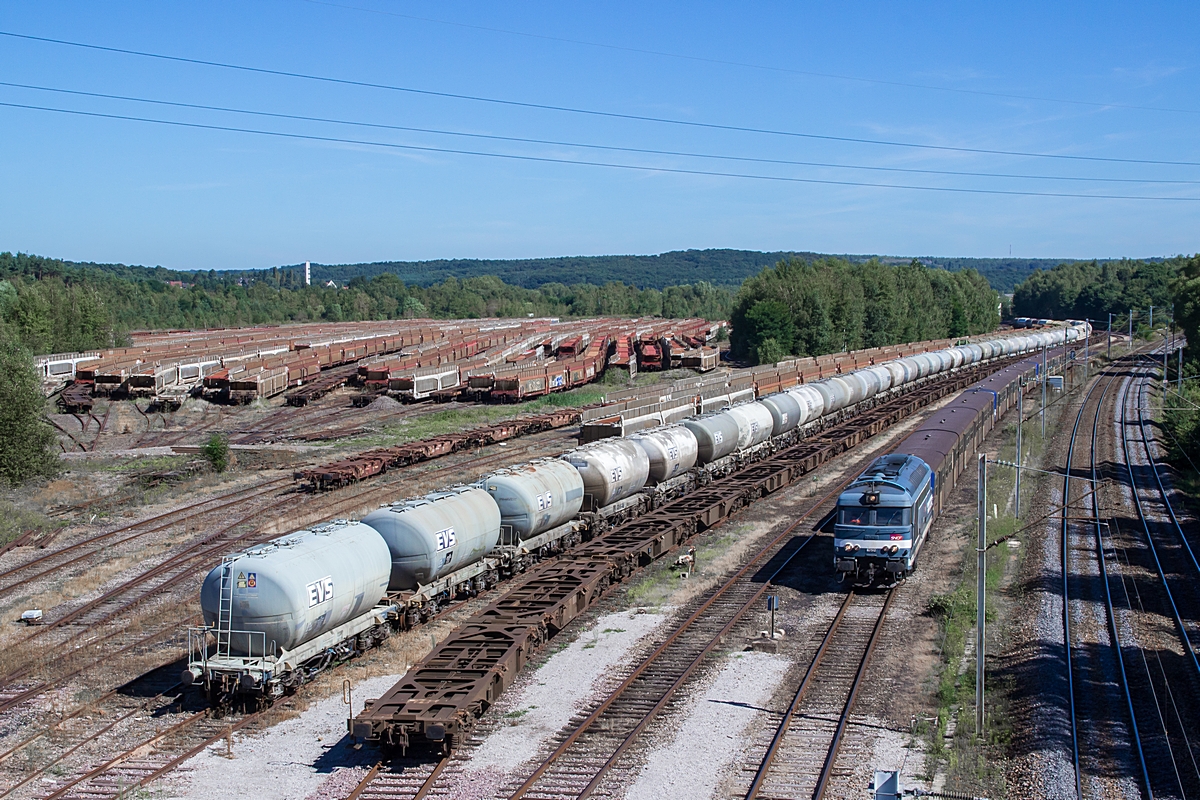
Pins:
<point x="981" y="603"/>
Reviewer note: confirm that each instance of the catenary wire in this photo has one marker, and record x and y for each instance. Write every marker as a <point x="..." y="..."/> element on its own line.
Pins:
<point x="585" y="111"/>
<point x="560" y="143"/>
<point x="581" y="162"/>
<point x="748" y="65"/>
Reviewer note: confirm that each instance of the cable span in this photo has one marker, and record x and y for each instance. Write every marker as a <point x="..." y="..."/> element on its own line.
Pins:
<point x="558" y="143"/>
<point x="579" y="162"/>
<point x="586" y="111"/>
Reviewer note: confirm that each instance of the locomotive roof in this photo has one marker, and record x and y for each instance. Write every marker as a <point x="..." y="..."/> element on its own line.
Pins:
<point x="898" y="470"/>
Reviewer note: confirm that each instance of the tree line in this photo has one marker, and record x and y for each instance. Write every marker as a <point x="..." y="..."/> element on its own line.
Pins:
<point x="1093" y="290"/>
<point x="809" y="308"/>
<point x="52" y="306"/>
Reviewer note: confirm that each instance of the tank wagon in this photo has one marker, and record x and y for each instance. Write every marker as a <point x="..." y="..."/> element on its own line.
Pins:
<point x="883" y="518"/>
<point x="277" y="614"/>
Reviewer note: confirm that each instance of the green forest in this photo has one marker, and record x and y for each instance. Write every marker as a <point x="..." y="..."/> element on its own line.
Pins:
<point x="808" y="308"/>
<point x="1093" y="289"/>
<point x="718" y="267"/>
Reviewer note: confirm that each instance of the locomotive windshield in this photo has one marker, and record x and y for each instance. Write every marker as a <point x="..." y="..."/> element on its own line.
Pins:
<point x="855" y="516"/>
<point x="889" y="516"/>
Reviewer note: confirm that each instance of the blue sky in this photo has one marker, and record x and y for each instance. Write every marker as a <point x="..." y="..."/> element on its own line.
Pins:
<point x="102" y="189"/>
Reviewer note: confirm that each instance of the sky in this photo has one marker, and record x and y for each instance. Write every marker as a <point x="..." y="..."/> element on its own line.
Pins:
<point x="775" y="126"/>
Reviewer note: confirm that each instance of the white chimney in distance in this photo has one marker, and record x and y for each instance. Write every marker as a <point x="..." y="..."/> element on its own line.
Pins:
<point x="307" y="274"/>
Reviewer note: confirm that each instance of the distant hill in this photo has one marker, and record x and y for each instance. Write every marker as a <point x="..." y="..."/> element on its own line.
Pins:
<point x="725" y="268"/>
<point x="718" y="267"/>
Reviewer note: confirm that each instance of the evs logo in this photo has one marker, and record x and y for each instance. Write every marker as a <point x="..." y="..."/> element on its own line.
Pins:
<point x="320" y="591"/>
<point x="446" y="539"/>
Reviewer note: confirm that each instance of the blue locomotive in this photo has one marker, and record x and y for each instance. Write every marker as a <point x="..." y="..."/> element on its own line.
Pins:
<point x="882" y="519"/>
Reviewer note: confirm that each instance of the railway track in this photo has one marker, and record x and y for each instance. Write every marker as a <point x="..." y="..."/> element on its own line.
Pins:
<point x="399" y="779"/>
<point x="95" y="630"/>
<point x="159" y="768"/>
<point x="1130" y="678"/>
<point x="587" y="754"/>
<point x="801" y="757"/>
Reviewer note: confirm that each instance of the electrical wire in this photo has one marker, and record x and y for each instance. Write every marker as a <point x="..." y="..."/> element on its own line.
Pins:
<point x="747" y="65"/>
<point x="559" y="143"/>
<point x="586" y="111"/>
<point x="580" y="162"/>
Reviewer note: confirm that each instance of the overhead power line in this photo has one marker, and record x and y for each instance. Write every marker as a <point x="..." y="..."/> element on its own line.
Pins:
<point x="748" y="65"/>
<point x="560" y="143"/>
<point x="586" y="111"/>
<point x="581" y="162"/>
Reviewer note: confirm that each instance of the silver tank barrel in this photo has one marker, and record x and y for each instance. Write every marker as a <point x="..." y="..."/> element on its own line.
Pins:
<point x="437" y="534"/>
<point x="535" y="497"/>
<point x="298" y="586"/>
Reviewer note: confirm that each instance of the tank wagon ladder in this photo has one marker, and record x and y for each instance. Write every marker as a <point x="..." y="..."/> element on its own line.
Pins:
<point x="224" y="631"/>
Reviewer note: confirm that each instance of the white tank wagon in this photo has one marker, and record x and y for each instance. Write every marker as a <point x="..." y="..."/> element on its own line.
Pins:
<point x="535" y="497"/>
<point x="672" y="450"/>
<point x="754" y="424"/>
<point x="812" y="402"/>
<point x="277" y="608"/>
<point x="716" y="436"/>
<point x="432" y="536"/>
<point x="612" y="470"/>
<point x="785" y="412"/>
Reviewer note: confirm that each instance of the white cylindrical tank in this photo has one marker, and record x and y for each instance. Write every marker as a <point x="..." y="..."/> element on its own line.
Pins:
<point x="754" y="424"/>
<point x="857" y="385"/>
<point x="716" y="436"/>
<point x="671" y="450"/>
<point x="832" y="398"/>
<point x="299" y="586"/>
<point x="437" y="534"/>
<point x="537" y="496"/>
<point x="882" y="379"/>
<point x="612" y="469"/>
<point x="899" y="372"/>
<point x="785" y="412"/>
<point x="812" y="404"/>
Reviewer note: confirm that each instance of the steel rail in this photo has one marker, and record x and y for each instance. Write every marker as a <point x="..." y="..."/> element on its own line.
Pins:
<point x="173" y="517"/>
<point x="137" y="709"/>
<point x="1115" y="640"/>
<point x="1149" y="538"/>
<point x="754" y="563"/>
<point x="835" y="746"/>
<point x="376" y="771"/>
<point x="1133" y="488"/>
<point x="765" y="765"/>
<point x="1162" y="490"/>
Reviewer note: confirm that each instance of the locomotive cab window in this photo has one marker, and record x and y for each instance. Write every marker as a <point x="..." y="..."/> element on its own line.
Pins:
<point x="854" y="515"/>
<point x="891" y="516"/>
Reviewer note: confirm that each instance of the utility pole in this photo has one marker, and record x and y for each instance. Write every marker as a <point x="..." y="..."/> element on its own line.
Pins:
<point x="1131" y="330"/>
<point x="1020" y="425"/>
<point x="980" y="609"/>
<point x="1166" y="355"/>
<point x="1044" y="380"/>
<point x="1087" y="357"/>
<point x="1179" y="373"/>
<point x="1150" y="325"/>
<point x="1109" y="356"/>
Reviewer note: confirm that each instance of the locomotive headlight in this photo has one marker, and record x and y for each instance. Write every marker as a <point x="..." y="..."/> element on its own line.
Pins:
<point x="894" y="549"/>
